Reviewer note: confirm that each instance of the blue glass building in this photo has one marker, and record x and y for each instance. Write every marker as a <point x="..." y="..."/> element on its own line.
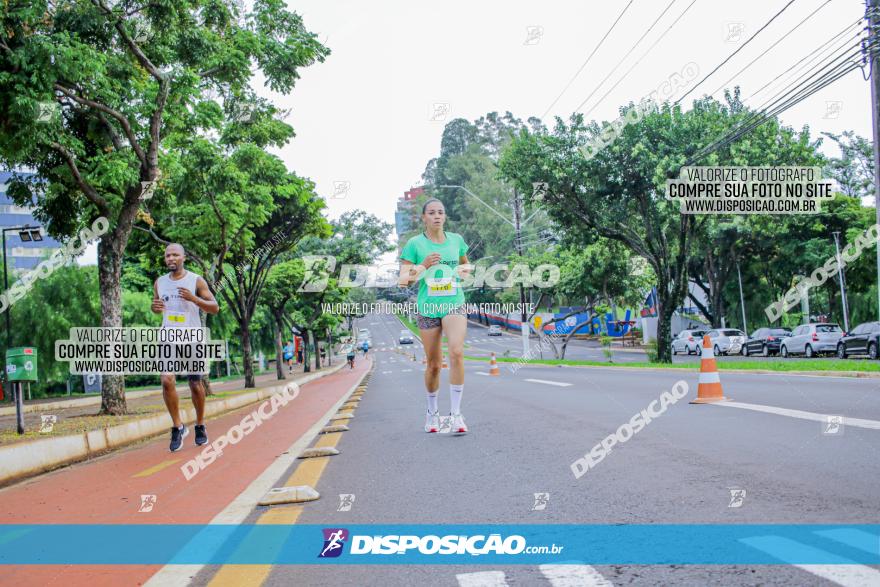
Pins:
<point x="21" y="255"/>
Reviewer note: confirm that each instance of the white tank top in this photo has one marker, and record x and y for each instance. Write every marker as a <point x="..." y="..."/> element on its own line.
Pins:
<point x="179" y="313"/>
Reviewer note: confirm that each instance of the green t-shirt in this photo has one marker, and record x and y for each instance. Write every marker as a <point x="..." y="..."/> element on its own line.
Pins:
<point x="439" y="288"/>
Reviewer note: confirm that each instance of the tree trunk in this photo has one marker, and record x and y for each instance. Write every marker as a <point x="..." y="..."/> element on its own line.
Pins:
<point x="665" y="309"/>
<point x="279" y="365"/>
<point x="206" y="379"/>
<point x="109" y="273"/>
<point x="248" y="364"/>
<point x="307" y="337"/>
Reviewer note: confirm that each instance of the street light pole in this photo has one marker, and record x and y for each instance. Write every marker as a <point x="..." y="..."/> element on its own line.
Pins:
<point x="872" y="7"/>
<point x="742" y="303"/>
<point x="840" y="279"/>
<point x="524" y="327"/>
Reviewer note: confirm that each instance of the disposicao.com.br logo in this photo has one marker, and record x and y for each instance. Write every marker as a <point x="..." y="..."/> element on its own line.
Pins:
<point x="475" y="545"/>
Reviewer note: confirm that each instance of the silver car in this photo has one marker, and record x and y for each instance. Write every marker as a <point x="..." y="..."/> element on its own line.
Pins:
<point x="811" y="339"/>
<point x="726" y="341"/>
<point x="688" y="341"/>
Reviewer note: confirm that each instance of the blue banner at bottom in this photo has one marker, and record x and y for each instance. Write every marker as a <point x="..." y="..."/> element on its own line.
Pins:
<point x="439" y="544"/>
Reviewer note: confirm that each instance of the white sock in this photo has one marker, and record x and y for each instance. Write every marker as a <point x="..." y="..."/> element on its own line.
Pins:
<point x="432" y="402"/>
<point x="455" y="392"/>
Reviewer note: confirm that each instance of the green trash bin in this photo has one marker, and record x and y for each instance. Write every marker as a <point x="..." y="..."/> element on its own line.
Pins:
<point x="21" y="364"/>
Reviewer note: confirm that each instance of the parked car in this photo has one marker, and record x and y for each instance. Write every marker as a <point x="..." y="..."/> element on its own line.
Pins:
<point x="726" y="341"/>
<point x="405" y="337"/>
<point x="811" y="339"/>
<point x="494" y="330"/>
<point x="864" y="339"/>
<point x="688" y="341"/>
<point x="765" y="341"/>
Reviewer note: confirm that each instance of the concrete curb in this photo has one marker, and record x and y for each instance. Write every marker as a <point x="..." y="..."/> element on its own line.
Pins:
<point x="77" y="402"/>
<point x="25" y="459"/>
<point x="623" y="367"/>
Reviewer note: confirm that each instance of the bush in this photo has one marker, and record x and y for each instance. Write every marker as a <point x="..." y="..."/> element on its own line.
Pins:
<point x="651" y="351"/>
<point x="605" y="341"/>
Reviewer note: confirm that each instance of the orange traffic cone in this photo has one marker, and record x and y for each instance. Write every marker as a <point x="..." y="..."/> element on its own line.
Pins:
<point x="493" y="366"/>
<point x="709" y="389"/>
<point x="445" y="366"/>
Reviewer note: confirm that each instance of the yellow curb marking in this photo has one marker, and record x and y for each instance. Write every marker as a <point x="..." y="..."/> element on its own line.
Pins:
<point x="156" y="468"/>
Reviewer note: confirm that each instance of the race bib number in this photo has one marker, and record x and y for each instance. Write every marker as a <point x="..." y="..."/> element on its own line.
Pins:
<point x="178" y="318"/>
<point x="442" y="287"/>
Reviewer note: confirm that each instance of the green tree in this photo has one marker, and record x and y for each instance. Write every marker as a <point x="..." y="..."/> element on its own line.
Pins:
<point x="619" y="192"/>
<point x="90" y="91"/>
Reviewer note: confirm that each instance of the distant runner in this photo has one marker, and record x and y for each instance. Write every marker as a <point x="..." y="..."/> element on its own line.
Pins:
<point x="173" y="297"/>
<point x="288" y="355"/>
<point x="350" y="354"/>
<point x="436" y="255"/>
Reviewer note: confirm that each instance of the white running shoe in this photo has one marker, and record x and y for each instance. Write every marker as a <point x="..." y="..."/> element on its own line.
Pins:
<point x="432" y="422"/>
<point x="458" y="425"/>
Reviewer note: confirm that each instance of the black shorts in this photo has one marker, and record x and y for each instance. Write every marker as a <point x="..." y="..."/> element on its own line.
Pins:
<point x="427" y="322"/>
<point x="170" y="351"/>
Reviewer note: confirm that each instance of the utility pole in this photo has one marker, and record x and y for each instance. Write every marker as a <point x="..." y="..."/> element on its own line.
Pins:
<point x="840" y="278"/>
<point x="522" y="291"/>
<point x="872" y="8"/>
<point x="742" y="303"/>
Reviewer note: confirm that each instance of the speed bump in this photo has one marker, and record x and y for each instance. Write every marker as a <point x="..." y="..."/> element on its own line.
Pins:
<point x="334" y="428"/>
<point x="320" y="451"/>
<point x="296" y="494"/>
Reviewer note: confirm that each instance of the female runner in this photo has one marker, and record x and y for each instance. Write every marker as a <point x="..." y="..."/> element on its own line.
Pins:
<point x="437" y="259"/>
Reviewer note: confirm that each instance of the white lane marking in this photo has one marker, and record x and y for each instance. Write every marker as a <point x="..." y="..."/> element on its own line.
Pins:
<point x="843" y="572"/>
<point x="482" y="373"/>
<point x="240" y="508"/>
<point x="482" y="579"/>
<point x="545" y="382"/>
<point x="859" y="539"/>
<point x="857" y="422"/>
<point x="574" y="576"/>
<point x="383" y="373"/>
<point x="406" y="370"/>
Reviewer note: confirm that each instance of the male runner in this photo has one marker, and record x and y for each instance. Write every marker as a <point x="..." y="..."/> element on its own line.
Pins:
<point x="173" y="297"/>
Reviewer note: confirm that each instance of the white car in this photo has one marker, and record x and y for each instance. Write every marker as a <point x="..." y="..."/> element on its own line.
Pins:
<point x="726" y="340"/>
<point x="811" y="339"/>
<point x="494" y="330"/>
<point x="688" y="341"/>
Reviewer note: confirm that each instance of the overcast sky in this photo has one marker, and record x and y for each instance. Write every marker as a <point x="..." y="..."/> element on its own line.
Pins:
<point x="364" y="116"/>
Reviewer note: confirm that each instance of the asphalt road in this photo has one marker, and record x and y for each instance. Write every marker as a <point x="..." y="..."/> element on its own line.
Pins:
<point x="479" y="343"/>
<point x="528" y="427"/>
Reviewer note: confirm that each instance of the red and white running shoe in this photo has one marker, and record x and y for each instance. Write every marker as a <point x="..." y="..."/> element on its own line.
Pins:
<point x="432" y="422"/>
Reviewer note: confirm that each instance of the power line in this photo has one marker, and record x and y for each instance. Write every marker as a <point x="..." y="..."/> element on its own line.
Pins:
<point x="811" y="56"/>
<point x="840" y="66"/>
<point x="740" y="48"/>
<point x="660" y="38"/>
<point x="584" y="64"/>
<point x="800" y="93"/>
<point x="762" y="115"/>
<point x="767" y="50"/>
<point x="633" y="48"/>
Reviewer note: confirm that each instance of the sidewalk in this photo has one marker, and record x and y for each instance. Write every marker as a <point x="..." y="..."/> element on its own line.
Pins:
<point x="114" y="489"/>
<point x="82" y="416"/>
<point x="78" y="432"/>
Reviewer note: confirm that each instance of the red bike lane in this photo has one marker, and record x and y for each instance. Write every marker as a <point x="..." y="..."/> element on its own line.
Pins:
<point x="109" y="490"/>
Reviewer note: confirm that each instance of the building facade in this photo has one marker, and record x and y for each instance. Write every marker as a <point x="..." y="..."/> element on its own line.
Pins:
<point x="404" y="213"/>
<point x="21" y="255"/>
